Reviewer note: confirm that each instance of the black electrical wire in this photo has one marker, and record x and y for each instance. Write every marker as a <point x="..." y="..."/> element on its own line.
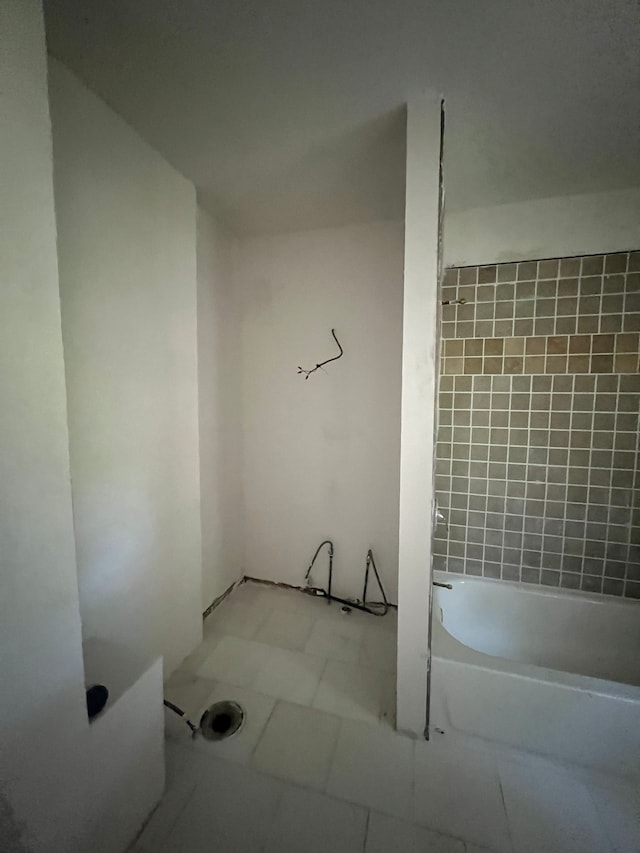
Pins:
<point x="181" y="713"/>
<point x="322" y="363"/>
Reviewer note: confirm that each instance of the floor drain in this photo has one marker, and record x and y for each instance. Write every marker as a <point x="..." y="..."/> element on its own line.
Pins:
<point x="221" y="720"/>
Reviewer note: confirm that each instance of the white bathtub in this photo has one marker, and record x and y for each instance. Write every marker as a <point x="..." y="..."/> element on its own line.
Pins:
<point x="548" y="671"/>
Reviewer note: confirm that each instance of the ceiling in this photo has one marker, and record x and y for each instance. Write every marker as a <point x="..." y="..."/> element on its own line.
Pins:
<point x="288" y="114"/>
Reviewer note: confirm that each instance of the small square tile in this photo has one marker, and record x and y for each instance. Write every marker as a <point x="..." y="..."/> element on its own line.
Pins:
<point x="569" y="267"/>
<point x="453" y="348"/>
<point x="527" y="270"/>
<point x="486" y="274"/>
<point x="297" y="744"/>
<point x="601" y="363"/>
<point x="593" y="265"/>
<point x="374" y="767"/>
<point x="467" y="275"/>
<point x="579" y="344"/>
<point x="548" y="269"/>
<point x="627" y="343"/>
<point x="557" y="345"/>
<point x="493" y="346"/>
<point x="514" y="346"/>
<point x="627" y="363"/>
<point x="290" y="675"/>
<point x="492" y="365"/>
<point x="615" y="263"/>
<point x="513" y="365"/>
<point x="310" y="822"/>
<point x="507" y="272"/>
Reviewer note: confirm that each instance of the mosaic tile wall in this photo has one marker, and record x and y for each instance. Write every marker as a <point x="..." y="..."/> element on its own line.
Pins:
<point x="538" y="446"/>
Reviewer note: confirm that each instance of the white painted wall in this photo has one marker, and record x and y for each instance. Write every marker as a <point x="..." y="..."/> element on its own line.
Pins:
<point x="42" y="712"/>
<point x="127" y="251"/>
<point x="321" y="456"/>
<point x="220" y="392"/>
<point x="419" y="385"/>
<point x="543" y="228"/>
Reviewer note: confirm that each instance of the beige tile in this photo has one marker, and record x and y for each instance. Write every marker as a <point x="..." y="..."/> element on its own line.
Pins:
<point x="297" y="745"/>
<point x="557" y="345"/>
<point x="493" y="346"/>
<point x="627" y="342"/>
<point x="603" y="343"/>
<point x="601" y="363"/>
<point x="514" y="346"/>
<point x="627" y="363"/>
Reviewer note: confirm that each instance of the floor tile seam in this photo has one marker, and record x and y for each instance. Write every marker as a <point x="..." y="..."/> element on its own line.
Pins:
<point x="261" y="735"/>
<point x="595" y="810"/>
<point x="317" y="687"/>
<point x="504" y="809"/>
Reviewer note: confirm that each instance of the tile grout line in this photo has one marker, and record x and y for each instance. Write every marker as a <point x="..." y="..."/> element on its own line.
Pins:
<point x="366" y="831"/>
<point x="504" y="808"/>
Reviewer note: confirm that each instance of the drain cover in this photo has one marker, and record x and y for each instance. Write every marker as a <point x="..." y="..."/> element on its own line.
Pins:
<point x="221" y="720"/>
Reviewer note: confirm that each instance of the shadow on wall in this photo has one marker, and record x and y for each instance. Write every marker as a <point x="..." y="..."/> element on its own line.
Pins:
<point x="357" y="177"/>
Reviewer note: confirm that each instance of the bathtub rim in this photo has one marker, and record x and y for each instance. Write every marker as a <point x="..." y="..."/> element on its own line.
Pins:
<point x="446" y="647"/>
<point x="538" y="589"/>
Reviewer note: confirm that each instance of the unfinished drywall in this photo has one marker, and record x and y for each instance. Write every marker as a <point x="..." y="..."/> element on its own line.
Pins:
<point x="127" y="251"/>
<point x="41" y="660"/>
<point x="419" y="388"/>
<point x="598" y="223"/>
<point x="219" y="390"/>
<point x="321" y="456"/>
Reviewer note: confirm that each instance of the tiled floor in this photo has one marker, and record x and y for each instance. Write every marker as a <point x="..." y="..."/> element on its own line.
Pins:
<point x="317" y="766"/>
